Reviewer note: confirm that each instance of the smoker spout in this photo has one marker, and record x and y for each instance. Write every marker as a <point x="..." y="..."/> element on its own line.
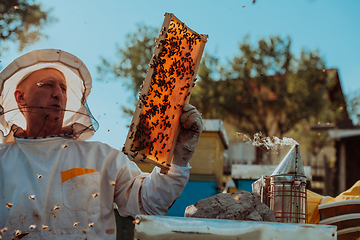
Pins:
<point x="291" y="164"/>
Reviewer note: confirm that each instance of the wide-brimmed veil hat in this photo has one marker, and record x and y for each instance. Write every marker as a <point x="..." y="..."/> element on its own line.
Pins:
<point x="77" y="117"/>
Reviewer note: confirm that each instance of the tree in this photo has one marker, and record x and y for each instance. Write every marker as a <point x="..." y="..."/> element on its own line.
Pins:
<point x="206" y="94"/>
<point x="353" y="103"/>
<point x="266" y="89"/>
<point x="134" y="61"/>
<point x="21" y="22"/>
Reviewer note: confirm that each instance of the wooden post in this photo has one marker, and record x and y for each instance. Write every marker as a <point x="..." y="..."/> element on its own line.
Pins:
<point x="342" y="168"/>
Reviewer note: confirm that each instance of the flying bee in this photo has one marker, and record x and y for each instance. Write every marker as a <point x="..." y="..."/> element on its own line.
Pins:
<point x="136" y="221"/>
<point x="32" y="226"/>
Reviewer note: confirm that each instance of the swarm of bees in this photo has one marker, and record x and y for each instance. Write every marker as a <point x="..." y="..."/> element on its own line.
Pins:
<point x="166" y="89"/>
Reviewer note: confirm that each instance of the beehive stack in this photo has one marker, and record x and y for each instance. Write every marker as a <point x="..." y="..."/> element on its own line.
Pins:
<point x="166" y="88"/>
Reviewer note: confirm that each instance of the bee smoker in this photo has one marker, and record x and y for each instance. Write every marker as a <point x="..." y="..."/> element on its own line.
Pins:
<point x="287" y="193"/>
<point x="284" y="191"/>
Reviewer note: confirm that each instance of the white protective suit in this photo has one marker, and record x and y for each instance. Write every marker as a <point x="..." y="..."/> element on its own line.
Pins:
<point x="57" y="182"/>
<point x="62" y="188"/>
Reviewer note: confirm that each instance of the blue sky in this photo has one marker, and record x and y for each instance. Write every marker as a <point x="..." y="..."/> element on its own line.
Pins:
<point x="90" y="29"/>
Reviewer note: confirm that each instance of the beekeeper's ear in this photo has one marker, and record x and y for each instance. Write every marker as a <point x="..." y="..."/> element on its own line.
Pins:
<point x="20" y="97"/>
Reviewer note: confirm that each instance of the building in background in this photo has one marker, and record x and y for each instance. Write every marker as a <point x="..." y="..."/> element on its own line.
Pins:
<point x="319" y="152"/>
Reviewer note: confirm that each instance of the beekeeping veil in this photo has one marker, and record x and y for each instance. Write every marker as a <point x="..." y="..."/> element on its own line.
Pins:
<point x="77" y="118"/>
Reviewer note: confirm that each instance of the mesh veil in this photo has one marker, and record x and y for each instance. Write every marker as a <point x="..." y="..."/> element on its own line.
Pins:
<point x="78" y="120"/>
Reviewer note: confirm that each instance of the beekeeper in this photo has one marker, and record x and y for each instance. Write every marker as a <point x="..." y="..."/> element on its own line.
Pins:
<point x="55" y="185"/>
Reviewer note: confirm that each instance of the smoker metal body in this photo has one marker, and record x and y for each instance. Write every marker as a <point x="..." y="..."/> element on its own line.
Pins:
<point x="284" y="191"/>
<point x="287" y="198"/>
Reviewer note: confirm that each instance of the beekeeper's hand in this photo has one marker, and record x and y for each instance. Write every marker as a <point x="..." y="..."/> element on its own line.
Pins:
<point x="191" y="128"/>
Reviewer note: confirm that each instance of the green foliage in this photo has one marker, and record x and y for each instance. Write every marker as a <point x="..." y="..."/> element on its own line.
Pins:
<point x="134" y="61"/>
<point x="353" y="103"/>
<point x="205" y="94"/>
<point x="21" y="22"/>
<point x="265" y="88"/>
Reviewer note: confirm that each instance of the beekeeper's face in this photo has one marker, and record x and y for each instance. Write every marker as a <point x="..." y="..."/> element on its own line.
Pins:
<point x="43" y="93"/>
